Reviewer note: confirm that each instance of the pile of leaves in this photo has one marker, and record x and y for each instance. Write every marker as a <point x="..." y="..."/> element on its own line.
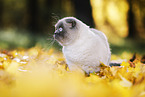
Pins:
<point x="39" y="73"/>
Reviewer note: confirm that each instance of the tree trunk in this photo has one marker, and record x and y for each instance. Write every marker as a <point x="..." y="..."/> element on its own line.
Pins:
<point x="84" y="11"/>
<point x="52" y="12"/>
<point x="1" y="13"/>
<point x="32" y="10"/>
<point x="48" y="15"/>
<point x="131" y="21"/>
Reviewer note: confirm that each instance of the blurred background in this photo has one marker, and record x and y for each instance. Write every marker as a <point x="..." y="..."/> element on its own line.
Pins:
<point x="26" y="23"/>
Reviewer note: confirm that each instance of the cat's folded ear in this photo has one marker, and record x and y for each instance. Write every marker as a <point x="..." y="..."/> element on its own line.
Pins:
<point x="72" y="22"/>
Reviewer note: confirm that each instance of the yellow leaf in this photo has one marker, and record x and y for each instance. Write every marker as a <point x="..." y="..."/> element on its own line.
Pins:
<point x="13" y="67"/>
<point x="126" y="64"/>
<point x="125" y="82"/>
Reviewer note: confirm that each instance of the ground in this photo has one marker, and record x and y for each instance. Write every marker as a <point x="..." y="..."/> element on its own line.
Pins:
<point x="36" y="72"/>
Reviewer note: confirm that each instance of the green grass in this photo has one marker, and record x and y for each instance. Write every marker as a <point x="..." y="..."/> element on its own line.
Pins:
<point x="12" y="39"/>
<point x="132" y="46"/>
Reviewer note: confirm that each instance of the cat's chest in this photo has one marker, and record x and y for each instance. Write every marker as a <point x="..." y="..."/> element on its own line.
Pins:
<point x="79" y="55"/>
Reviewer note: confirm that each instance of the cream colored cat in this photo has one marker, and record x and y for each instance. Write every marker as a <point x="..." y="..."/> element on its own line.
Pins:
<point x="84" y="48"/>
